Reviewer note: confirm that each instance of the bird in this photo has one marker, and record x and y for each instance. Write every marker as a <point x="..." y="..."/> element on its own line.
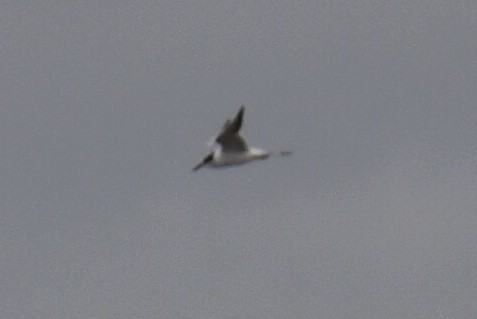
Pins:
<point x="233" y="149"/>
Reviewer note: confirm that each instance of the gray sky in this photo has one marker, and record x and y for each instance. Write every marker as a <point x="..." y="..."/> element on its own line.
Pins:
<point x="105" y="106"/>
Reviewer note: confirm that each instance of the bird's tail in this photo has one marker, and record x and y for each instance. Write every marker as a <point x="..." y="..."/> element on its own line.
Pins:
<point x="281" y="153"/>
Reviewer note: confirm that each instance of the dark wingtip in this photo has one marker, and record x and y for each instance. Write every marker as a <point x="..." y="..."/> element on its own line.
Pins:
<point x="241" y="111"/>
<point x="196" y="168"/>
<point x="207" y="159"/>
<point x="240" y="116"/>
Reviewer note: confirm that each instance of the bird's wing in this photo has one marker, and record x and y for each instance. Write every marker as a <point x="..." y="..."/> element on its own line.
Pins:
<point x="206" y="159"/>
<point x="229" y="138"/>
<point x="232" y="143"/>
<point x="233" y="126"/>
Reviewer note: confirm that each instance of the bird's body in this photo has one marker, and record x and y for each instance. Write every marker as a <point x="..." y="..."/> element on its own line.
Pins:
<point x="221" y="158"/>
<point x="233" y="148"/>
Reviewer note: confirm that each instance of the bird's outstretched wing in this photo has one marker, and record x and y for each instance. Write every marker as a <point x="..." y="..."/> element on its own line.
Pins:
<point x="206" y="159"/>
<point x="229" y="138"/>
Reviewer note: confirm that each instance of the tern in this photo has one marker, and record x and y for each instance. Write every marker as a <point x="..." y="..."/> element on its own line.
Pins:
<point x="233" y="149"/>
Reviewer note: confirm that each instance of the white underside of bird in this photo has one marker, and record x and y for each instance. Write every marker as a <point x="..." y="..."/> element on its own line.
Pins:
<point x="221" y="158"/>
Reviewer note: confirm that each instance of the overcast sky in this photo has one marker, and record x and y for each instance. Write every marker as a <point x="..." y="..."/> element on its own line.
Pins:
<point x="105" y="106"/>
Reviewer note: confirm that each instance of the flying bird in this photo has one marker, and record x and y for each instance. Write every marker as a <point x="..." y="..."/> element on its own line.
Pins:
<point x="233" y="149"/>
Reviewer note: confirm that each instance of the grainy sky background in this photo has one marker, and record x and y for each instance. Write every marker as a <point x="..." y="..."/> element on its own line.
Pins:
<point x="105" y="106"/>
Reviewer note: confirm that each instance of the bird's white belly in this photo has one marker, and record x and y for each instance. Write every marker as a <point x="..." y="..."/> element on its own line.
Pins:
<point x="237" y="158"/>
